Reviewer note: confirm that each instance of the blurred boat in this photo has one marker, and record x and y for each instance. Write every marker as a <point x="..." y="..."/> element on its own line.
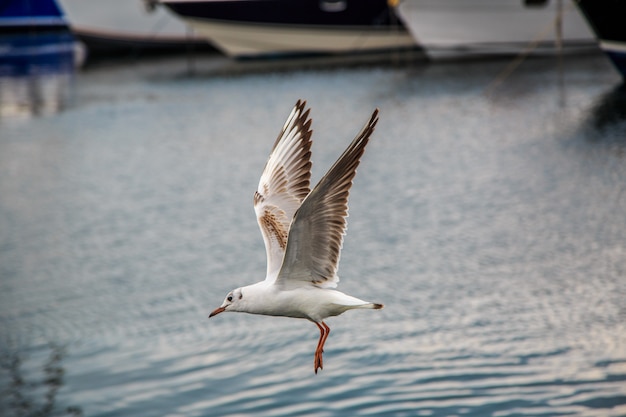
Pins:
<point x="608" y="20"/>
<point x="466" y="28"/>
<point x="30" y="16"/>
<point x="38" y="55"/>
<point x="261" y="28"/>
<point x="113" y="26"/>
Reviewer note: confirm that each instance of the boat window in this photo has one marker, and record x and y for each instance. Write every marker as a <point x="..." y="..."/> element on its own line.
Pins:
<point x="333" y="6"/>
<point x="535" y="3"/>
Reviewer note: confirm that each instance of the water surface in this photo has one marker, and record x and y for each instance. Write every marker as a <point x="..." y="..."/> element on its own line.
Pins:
<point x="490" y="222"/>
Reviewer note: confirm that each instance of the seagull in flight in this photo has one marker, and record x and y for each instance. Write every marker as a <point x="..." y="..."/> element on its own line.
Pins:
<point x="303" y="231"/>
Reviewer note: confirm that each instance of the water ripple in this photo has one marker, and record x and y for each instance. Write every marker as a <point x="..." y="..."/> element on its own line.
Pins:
<point x="492" y="230"/>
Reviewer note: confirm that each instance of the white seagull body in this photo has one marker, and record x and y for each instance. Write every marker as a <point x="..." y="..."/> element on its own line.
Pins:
<point x="303" y="231"/>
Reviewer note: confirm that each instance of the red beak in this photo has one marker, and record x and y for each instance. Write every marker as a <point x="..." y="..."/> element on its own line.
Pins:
<point x="217" y="311"/>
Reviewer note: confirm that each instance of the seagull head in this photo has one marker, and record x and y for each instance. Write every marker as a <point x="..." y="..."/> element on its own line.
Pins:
<point x="230" y="303"/>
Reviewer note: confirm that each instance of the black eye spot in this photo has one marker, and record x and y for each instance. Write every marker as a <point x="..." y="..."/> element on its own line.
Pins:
<point x="240" y="296"/>
<point x="230" y="298"/>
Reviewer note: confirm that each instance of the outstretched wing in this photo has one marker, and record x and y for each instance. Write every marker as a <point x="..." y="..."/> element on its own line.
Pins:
<point x="317" y="231"/>
<point x="285" y="182"/>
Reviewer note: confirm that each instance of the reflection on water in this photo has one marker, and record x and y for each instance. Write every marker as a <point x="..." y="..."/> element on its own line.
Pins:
<point x="34" y="95"/>
<point x="610" y="110"/>
<point x="22" y="396"/>
<point x="606" y="123"/>
<point x="36" y="72"/>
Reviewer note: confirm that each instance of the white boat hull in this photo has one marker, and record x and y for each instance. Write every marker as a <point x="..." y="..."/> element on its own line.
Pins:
<point x="126" y="21"/>
<point x="461" y="28"/>
<point x="240" y="40"/>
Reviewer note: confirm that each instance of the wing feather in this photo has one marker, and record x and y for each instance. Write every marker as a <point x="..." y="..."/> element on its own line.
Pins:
<point x="284" y="183"/>
<point x="318" y="228"/>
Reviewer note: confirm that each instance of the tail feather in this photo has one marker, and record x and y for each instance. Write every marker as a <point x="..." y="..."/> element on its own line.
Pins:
<point x="339" y="309"/>
<point x="373" y="306"/>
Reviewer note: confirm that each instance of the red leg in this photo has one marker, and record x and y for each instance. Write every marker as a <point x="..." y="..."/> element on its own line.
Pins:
<point x="318" y="355"/>
<point x="324" y="332"/>
<point x="325" y="336"/>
